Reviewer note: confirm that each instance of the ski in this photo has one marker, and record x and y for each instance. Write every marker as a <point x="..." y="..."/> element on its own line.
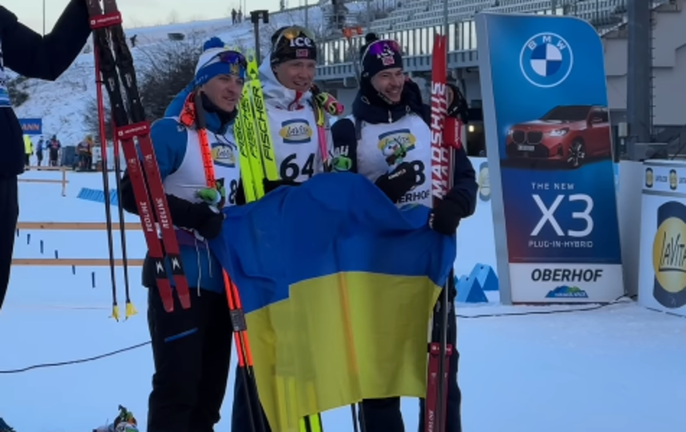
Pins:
<point x="441" y="178"/>
<point x="114" y="60"/>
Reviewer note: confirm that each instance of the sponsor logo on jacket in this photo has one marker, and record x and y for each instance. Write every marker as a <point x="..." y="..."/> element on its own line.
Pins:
<point x="224" y="154"/>
<point x="296" y="131"/>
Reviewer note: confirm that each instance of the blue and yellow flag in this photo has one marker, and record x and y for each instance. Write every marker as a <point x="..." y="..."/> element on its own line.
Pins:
<point x="338" y="287"/>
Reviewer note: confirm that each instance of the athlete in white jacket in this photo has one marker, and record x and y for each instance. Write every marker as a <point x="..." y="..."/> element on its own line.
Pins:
<point x="298" y="117"/>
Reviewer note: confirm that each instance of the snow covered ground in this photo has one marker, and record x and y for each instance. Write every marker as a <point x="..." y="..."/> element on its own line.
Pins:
<point x="616" y="369"/>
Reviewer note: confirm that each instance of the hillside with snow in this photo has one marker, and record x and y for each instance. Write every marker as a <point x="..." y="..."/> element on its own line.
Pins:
<point x="63" y="103"/>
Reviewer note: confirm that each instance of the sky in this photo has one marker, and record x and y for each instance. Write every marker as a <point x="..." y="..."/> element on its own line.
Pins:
<point x="138" y="13"/>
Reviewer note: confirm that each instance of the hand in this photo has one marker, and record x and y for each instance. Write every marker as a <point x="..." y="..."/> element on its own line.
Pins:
<point x="208" y="221"/>
<point x="215" y="196"/>
<point x="398" y="182"/>
<point x="445" y="218"/>
<point x="329" y="103"/>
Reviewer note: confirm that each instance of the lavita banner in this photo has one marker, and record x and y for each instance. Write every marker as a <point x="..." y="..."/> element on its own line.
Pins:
<point x="550" y="157"/>
<point x="662" y="270"/>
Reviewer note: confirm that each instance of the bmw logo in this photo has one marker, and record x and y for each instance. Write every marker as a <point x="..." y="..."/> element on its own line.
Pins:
<point x="546" y="60"/>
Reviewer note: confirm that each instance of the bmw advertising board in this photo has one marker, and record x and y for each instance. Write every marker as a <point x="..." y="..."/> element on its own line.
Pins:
<point x="550" y="157"/>
<point x="662" y="269"/>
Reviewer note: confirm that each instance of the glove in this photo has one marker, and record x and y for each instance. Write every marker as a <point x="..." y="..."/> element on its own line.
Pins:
<point x="329" y="103"/>
<point x="208" y="220"/>
<point x="398" y="182"/>
<point x="215" y="196"/>
<point x="445" y="218"/>
<point x="201" y="217"/>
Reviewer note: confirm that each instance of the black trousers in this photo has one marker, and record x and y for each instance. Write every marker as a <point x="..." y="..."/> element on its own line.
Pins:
<point x="192" y="352"/>
<point x="9" y="213"/>
<point x="240" y="417"/>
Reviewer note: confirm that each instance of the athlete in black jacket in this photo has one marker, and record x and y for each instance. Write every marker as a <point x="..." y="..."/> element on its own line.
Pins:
<point x="373" y="108"/>
<point x="34" y="56"/>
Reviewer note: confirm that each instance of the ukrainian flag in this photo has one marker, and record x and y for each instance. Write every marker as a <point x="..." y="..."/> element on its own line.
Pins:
<point x="338" y="287"/>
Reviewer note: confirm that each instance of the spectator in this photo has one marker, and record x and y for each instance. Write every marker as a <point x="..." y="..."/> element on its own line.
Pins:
<point x="133" y="39"/>
<point x="33" y="56"/>
<point x="233" y="16"/>
<point x="39" y="151"/>
<point x="85" y="153"/>
<point x="54" y="147"/>
<point x="240" y="16"/>
<point x="28" y="151"/>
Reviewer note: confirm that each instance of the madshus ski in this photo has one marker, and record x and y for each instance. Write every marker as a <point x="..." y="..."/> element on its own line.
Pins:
<point x="114" y="60"/>
<point x="442" y="167"/>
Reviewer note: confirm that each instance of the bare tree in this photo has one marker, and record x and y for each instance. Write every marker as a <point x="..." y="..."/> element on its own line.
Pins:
<point x="92" y="121"/>
<point x="168" y="67"/>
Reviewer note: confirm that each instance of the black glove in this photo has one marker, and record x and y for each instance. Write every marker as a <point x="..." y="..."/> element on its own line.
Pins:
<point x="398" y="182"/>
<point x="198" y="216"/>
<point x="208" y="221"/>
<point x="445" y="218"/>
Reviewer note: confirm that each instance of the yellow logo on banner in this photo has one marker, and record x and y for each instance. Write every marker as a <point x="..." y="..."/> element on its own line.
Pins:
<point x="669" y="255"/>
<point x="650" y="178"/>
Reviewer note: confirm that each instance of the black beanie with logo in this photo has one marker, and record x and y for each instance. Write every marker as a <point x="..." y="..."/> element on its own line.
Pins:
<point x="292" y="43"/>
<point x="377" y="55"/>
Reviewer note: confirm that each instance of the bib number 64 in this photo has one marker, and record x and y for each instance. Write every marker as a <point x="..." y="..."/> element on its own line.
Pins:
<point x="290" y="170"/>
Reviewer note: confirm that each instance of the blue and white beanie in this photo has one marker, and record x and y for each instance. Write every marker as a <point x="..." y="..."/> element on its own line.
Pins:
<point x="210" y="63"/>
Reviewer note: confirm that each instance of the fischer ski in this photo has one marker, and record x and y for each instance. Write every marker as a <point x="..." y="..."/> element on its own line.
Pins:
<point x="441" y="177"/>
<point x="114" y="61"/>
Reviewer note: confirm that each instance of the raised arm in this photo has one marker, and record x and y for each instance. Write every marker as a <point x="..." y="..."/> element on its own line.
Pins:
<point x="32" y="55"/>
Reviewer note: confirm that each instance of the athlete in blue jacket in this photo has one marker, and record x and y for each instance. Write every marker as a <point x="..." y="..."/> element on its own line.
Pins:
<point x="192" y="347"/>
